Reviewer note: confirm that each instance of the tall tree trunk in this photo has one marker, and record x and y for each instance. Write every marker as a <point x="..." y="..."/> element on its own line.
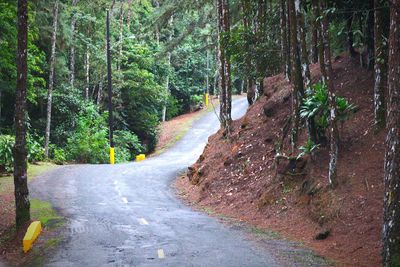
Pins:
<point x="379" y="67"/>
<point x="260" y="34"/>
<point x="72" y="55"/>
<point x="305" y="64"/>
<point x="288" y="38"/>
<point x="319" y="43"/>
<point x="22" y="204"/>
<point x="129" y="17"/>
<point x="314" y="38"/>
<point x="170" y="24"/>
<point x="224" y="29"/>
<point x="298" y="88"/>
<point x="51" y="80"/>
<point x="284" y="40"/>
<point x="333" y="131"/>
<point x="350" y="35"/>
<point x="251" y="92"/>
<point x="87" y="73"/>
<point x="100" y="92"/>
<point x="391" y="225"/>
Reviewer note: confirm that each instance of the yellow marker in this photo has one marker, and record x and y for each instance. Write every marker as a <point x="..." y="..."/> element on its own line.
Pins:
<point x="112" y="155"/>
<point x="206" y="99"/>
<point x="161" y="254"/>
<point x="140" y="157"/>
<point x="31" y="235"/>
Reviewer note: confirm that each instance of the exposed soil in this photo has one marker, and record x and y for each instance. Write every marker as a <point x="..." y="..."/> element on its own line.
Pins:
<point x="240" y="177"/>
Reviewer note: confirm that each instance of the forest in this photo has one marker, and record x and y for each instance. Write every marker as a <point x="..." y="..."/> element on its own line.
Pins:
<point x="167" y="55"/>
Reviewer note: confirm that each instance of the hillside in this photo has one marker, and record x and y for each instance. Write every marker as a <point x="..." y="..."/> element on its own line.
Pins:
<point x="240" y="177"/>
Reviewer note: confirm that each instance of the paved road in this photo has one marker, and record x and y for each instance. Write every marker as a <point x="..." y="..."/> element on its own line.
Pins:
<point x="128" y="215"/>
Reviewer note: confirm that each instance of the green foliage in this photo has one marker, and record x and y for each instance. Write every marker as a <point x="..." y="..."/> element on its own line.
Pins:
<point x="127" y="146"/>
<point x="174" y="107"/>
<point x="35" y="148"/>
<point x="315" y="107"/>
<point x="196" y="100"/>
<point x="89" y="143"/>
<point x="308" y="148"/>
<point x="59" y="156"/>
<point x="6" y="153"/>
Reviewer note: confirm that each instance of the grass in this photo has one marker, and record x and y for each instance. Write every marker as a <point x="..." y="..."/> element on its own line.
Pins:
<point x="7" y="182"/>
<point x="45" y="213"/>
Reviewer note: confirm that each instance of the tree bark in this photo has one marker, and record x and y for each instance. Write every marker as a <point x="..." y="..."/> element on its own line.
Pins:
<point x="391" y="225"/>
<point x="298" y="88"/>
<point x="305" y="63"/>
<point x="284" y="40"/>
<point x="22" y="204"/>
<point x="87" y="73"/>
<point x="314" y="38"/>
<point x="226" y="89"/>
<point x="369" y="32"/>
<point x="251" y="92"/>
<point x="51" y="80"/>
<point x="333" y="131"/>
<point x="72" y="55"/>
<point x="128" y="19"/>
<point x="350" y="36"/>
<point x="170" y="23"/>
<point x="379" y="67"/>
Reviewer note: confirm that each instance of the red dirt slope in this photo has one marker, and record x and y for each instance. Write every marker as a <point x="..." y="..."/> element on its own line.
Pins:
<point x="239" y="177"/>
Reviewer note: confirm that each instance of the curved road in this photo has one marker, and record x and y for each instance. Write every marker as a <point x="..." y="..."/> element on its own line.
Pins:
<point x="128" y="215"/>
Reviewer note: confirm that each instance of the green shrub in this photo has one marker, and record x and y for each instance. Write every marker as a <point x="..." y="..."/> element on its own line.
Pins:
<point x="35" y="148"/>
<point x="59" y="156"/>
<point x="6" y="153"/>
<point x="127" y="146"/>
<point x="196" y="100"/>
<point x="89" y="143"/>
<point x="173" y="107"/>
<point x="315" y="108"/>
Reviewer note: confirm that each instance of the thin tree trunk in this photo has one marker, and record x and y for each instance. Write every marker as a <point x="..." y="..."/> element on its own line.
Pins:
<point x="305" y="64"/>
<point x="298" y="88"/>
<point x="170" y="23"/>
<point x="1" y="94"/>
<point x="251" y="92"/>
<point x="370" y="35"/>
<point x="22" y="204"/>
<point x="128" y="19"/>
<point x="316" y="15"/>
<point x="284" y="41"/>
<point x="72" y="55"/>
<point x="391" y="225"/>
<point x="225" y="100"/>
<point x="288" y="38"/>
<point x="379" y="67"/>
<point x="51" y="80"/>
<point x="87" y="73"/>
<point x="350" y="36"/>
<point x="334" y="134"/>
<point x="314" y="41"/>
<point x="100" y="92"/>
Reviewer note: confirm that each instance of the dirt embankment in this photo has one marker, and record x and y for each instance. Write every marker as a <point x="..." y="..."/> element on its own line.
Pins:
<point x="241" y="179"/>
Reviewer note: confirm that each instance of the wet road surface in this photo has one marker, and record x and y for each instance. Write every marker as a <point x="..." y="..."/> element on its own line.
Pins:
<point x="128" y="214"/>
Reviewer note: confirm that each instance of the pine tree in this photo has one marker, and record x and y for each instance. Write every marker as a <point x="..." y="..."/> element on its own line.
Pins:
<point x="391" y="225"/>
<point x="22" y="204"/>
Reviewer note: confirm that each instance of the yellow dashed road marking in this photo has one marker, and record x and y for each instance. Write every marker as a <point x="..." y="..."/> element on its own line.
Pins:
<point x="161" y="254"/>
<point x="143" y="221"/>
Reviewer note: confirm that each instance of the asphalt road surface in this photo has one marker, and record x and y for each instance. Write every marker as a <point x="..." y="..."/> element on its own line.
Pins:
<point x="128" y="214"/>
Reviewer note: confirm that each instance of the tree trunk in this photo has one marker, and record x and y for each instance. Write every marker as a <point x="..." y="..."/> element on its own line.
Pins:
<point x="391" y="225"/>
<point x="128" y="19"/>
<point x="72" y="55"/>
<point x="87" y="73"/>
<point x="51" y="80"/>
<point x="251" y="92"/>
<point x="22" y="204"/>
<point x="298" y="88"/>
<point x="284" y="41"/>
<point x="100" y="92"/>
<point x="223" y="34"/>
<point x="379" y="67"/>
<point x="170" y="24"/>
<point x="350" y="36"/>
<point x="305" y="64"/>
<point x="319" y="42"/>
<point x="334" y="134"/>
<point x="314" y="38"/>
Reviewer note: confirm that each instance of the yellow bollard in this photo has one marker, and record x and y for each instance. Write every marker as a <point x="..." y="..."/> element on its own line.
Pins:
<point x="31" y="235"/>
<point x="112" y="155"/>
<point x="140" y="157"/>
<point x="206" y="99"/>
